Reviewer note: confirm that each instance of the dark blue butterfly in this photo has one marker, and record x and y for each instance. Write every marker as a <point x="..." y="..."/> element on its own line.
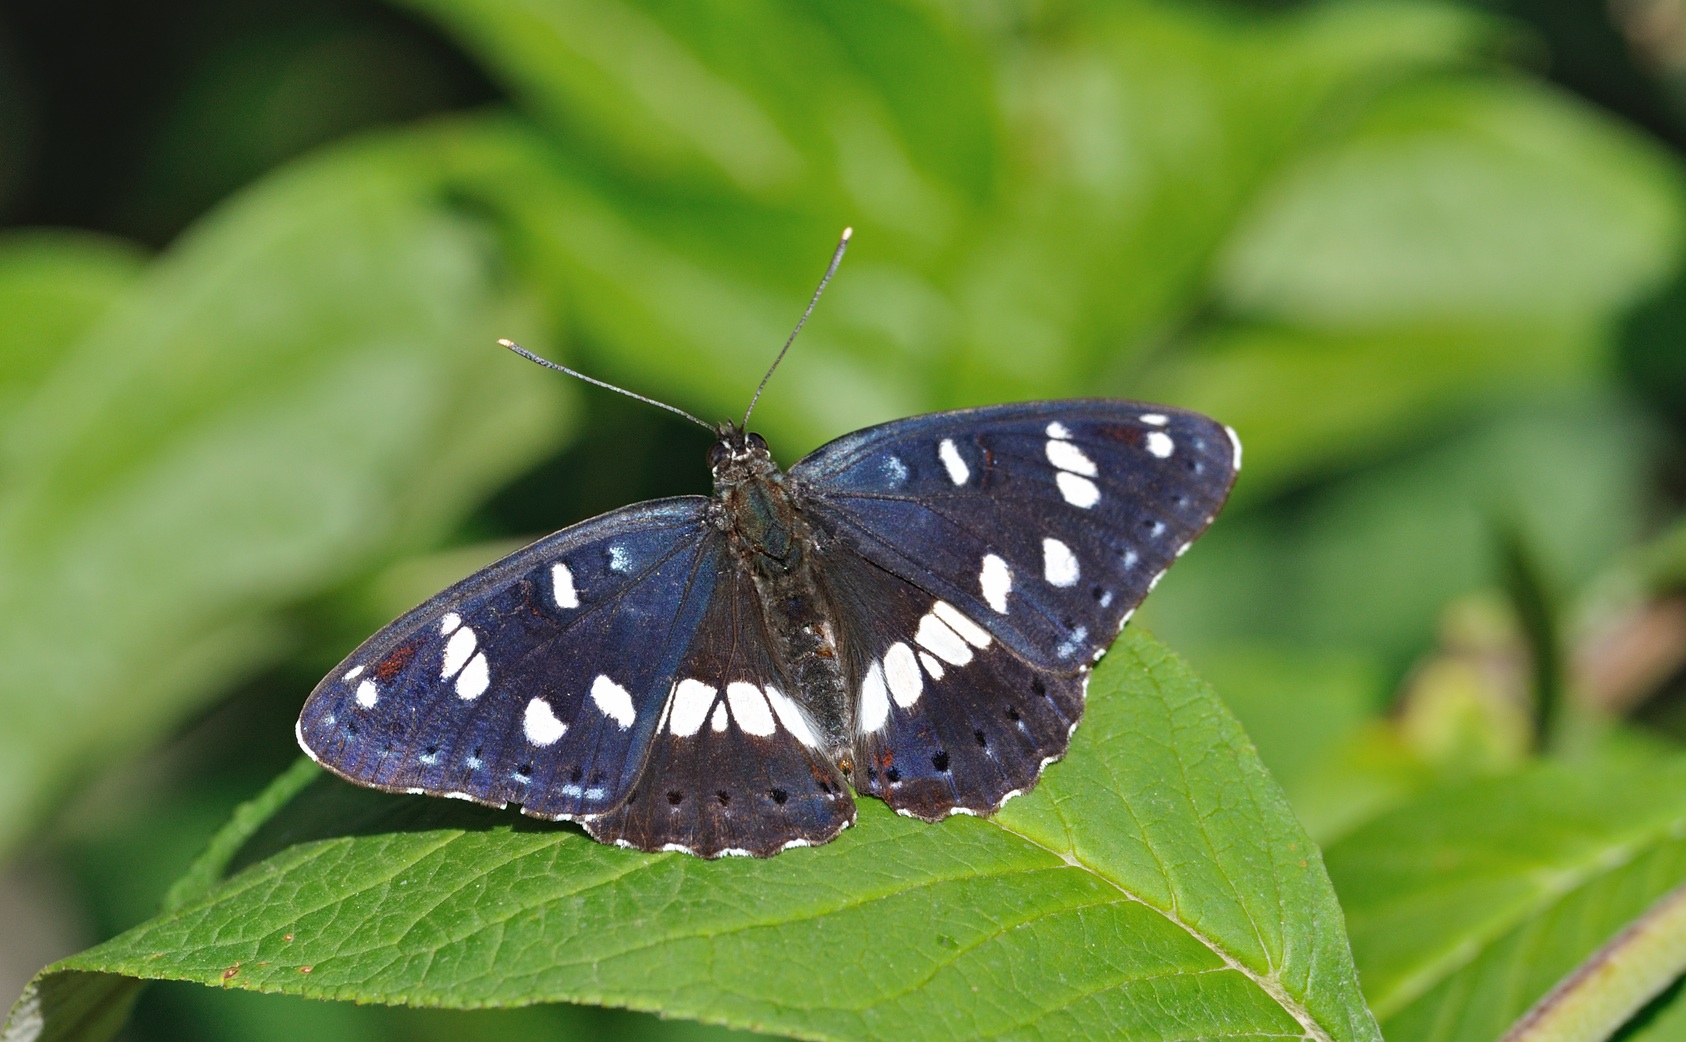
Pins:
<point x="913" y="610"/>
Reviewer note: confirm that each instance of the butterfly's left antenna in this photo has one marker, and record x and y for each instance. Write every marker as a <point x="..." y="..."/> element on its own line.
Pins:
<point x="836" y="259"/>
<point x="548" y="364"/>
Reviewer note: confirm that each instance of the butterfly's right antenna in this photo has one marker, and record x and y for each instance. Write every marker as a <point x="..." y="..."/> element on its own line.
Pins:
<point x="836" y="259"/>
<point x="548" y="364"/>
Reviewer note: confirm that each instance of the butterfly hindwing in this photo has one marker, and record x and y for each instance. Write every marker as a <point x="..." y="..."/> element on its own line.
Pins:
<point x="1047" y="522"/>
<point x="948" y="718"/>
<point x="735" y="765"/>
<point x="538" y="681"/>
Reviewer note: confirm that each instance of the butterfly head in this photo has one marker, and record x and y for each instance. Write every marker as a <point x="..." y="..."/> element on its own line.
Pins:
<point x="739" y="456"/>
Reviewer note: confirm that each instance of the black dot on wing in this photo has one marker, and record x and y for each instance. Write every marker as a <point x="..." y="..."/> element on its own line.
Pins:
<point x="978" y="736"/>
<point x="872" y="773"/>
<point x="576" y="774"/>
<point x="675" y="798"/>
<point x="779" y="796"/>
<point x="432" y="750"/>
<point x="1013" y="714"/>
<point x="1037" y="687"/>
<point x="1097" y="592"/>
<point x="892" y="776"/>
<point x="525" y="770"/>
<point x="724" y="797"/>
<point x="939" y="760"/>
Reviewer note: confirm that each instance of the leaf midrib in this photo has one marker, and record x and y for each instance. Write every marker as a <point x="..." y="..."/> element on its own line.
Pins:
<point x="1062" y="860"/>
<point x="1268" y="984"/>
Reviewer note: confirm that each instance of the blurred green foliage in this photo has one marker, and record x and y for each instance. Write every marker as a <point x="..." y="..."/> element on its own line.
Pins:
<point x="249" y="406"/>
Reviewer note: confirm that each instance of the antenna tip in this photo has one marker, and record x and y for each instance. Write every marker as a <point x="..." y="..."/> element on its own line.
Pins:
<point x="505" y="342"/>
<point x="847" y="232"/>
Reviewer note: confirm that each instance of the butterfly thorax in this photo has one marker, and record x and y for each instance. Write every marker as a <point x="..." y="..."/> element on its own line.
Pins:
<point x="771" y="538"/>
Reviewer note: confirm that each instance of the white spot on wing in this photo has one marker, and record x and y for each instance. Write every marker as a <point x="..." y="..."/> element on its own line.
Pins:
<point x="1159" y="443"/>
<point x="718" y="720"/>
<point x="958" y="472"/>
<point x="1057" y="430"/>
<point x="457" y="652"/>
<point x="474" y="679"/>
<point x="1059" y="564"/>
<point x="932" y="666"/>
<point x="969" y="631"/>
<point x="367" y="694"/>
<point x="448" y="622"/>
<point x="613" y="701"/>
<point x="541" y="725"/>
<point x="618" y="559"/>
<point x="1078" y="491"/>
<point x="749" y="708"/>
<point x="1155" y="419"/>
<point x="1235" y="440"/>
<point x="562" y="582"/>
<point x="691" y="702"/>
<point x="996" y="579"/>
<point x="1066" y="456"/>
<point x="352" y="674"/>
<point x="935" y="636"/>
<point x="901" y="673"/>
<point x="875" y="700"/>
<point x="791" y="717"/>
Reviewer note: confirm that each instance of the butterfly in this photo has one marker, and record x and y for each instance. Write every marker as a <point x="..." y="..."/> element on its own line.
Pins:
<point x="912" y="611"/>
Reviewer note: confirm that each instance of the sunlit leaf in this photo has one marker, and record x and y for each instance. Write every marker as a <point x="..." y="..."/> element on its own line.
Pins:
<point x="1459" y="201"/>
<point x="1155" y="885"/>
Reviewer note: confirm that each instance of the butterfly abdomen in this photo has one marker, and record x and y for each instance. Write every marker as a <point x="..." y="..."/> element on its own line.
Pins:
<point x="771" y="538"/>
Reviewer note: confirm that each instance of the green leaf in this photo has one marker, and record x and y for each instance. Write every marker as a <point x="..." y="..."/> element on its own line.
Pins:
<point x="1457" y="201"/>
<point x="1617" y="981"/>
<point x="304" y="387"/>
<point x="1367" y="564"/>
<point x="1362" y="393"/>
<point x="1468" y="905"/>
<point x="1154" y="885"/>
<point x="53" y="286"/>
<point x="1431" y="261"/>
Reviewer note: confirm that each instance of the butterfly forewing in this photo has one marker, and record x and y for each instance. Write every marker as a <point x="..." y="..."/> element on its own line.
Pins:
<point x="538" y="681"/>
<point x="735" y="765"/>
<point x="1046" y="522"/>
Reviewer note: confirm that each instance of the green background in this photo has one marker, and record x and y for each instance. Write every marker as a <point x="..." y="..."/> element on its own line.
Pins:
<point x="1425" y="257"/>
